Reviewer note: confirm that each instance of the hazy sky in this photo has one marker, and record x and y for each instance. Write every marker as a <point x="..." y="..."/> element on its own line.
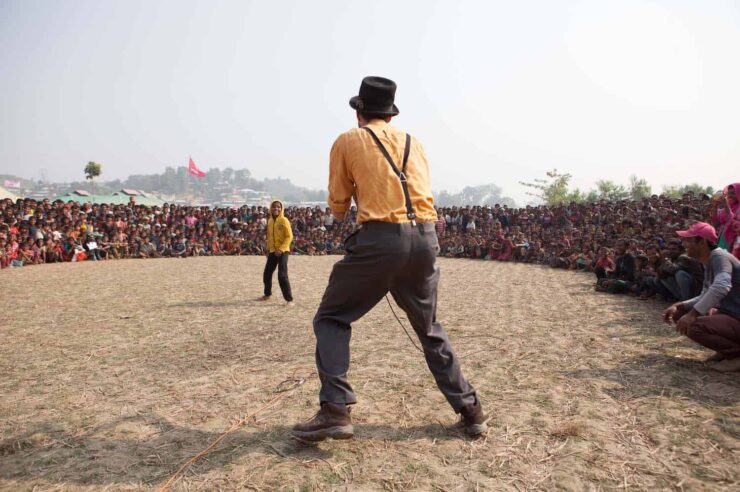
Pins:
<point x="497" y="91"/>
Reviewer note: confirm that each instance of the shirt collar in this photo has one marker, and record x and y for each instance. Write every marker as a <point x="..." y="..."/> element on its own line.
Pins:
<point x="378" y="123"/>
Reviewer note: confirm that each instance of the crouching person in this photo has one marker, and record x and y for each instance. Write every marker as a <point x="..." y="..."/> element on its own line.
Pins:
<point x="719" y="331"/>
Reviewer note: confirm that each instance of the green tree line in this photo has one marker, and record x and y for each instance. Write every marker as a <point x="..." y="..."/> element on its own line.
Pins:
<point x="487" y="194"/>
<point x="555" y="189"/>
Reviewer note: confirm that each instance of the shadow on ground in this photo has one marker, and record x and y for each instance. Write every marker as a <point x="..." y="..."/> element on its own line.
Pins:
<point x="661" y="375"/>
<point x="51" y="455"/>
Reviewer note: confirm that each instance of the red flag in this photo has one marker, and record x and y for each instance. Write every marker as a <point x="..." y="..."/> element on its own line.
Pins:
<point x="193" y="169"/>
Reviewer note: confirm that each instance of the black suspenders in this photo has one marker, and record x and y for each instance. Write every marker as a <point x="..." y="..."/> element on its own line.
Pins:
<point x="401" y="174"/>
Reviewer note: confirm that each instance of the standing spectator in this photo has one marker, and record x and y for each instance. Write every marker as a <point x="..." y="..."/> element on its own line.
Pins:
<point x="328" y="220"/>
<point x="726" y="209"/>
<point x="441" y="225"/>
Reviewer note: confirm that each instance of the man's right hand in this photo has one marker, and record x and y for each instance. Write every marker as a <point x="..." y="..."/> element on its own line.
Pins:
<point x="674" y="313"/>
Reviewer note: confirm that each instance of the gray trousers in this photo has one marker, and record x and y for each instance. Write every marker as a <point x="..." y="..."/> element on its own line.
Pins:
<point x="385" y="257"/>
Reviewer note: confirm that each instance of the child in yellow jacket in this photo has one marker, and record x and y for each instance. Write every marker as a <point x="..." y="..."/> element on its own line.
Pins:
<point x="279" y="239"/>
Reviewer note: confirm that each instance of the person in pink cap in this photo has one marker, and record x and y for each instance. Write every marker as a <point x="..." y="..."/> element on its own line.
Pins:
<point x="719" y="331"/>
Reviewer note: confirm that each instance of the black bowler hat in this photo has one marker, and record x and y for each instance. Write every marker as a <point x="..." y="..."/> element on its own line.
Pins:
<point x="376" y="97"/>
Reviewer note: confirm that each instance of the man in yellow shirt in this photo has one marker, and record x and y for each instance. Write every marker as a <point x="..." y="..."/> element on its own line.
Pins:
<point x="279" y="238"/>
<point x="394" y="249"/>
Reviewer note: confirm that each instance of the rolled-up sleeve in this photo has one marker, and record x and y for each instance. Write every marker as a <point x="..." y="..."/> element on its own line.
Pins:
<point x="341" y="186"/>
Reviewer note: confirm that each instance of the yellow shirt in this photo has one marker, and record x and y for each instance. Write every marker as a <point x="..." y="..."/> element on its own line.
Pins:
<point x="357" y="168"/>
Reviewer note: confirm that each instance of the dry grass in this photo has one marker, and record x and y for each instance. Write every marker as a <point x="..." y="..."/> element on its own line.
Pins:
<point x="116" y="373"/>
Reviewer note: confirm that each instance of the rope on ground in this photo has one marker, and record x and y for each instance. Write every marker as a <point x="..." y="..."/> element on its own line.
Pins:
<point x="283" y="392"/>
<point x="400" y="323"/>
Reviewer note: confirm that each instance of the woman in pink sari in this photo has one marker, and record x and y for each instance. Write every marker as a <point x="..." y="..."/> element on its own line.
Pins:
<point x="725" y="215"/>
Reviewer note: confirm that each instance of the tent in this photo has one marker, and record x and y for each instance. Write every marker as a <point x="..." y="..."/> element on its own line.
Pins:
<point x="4" y="193"/>
<point x="118" y="198"/>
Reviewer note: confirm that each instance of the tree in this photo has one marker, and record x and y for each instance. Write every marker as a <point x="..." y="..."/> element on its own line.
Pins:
<point x="639" y="188"/>
<point x="554" y="190"/>
<point x="92" y="171"/>
<point x="610" y="191"/>
<point x="487" y="194"/>
<point x="241" y="178"/>
<point x="228" y="176"/>
<point x="676" y="191"/>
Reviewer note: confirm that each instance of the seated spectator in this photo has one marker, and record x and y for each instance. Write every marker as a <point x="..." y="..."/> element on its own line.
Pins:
<point x="104" y="247"/>
<point x="507" y="248"/>
<point x="560" y="257"/>
<point x="37" y="251"/>
<point x="52" y="251"/>
<point x="4" y="256"/>
<point x="717" y="330"/>
<point x="534" y="254"/>
<point x="91" y="248"/>
<point x="520" y="247"/>
<point x="582" y="260"/>
<point x="180" y="248"/>
<point x="496" y="247"/>
<point x="165" y="247"/>
<point x="147" y="249"/>
<point x="623" y="276"/>
<point x="604" y="265"/>
<point x="678" y="277"/>
<point x="25" y="254"/>
<point x="643" y="272"/>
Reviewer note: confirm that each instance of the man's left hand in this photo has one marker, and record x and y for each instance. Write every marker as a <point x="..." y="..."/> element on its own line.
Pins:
<point x="278" y="253"/>
<point x="684" y="324"/>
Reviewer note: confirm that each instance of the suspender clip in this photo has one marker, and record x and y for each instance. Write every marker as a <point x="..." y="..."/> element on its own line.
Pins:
<point x="402" y="177"/>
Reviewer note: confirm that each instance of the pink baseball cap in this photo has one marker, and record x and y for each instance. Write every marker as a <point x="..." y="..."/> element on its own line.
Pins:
<point x="702" y="230"/>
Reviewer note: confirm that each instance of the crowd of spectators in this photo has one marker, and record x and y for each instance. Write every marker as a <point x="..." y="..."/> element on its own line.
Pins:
<point x="630" y="246"/>
<point x="34" y="232"/>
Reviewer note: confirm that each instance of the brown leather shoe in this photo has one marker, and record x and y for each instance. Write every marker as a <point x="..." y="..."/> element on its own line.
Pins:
<point x="474" y="420"/>
<point x="332" y="420"/>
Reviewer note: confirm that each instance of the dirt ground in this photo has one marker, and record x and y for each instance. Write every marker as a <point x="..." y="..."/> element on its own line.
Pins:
<point x="116" y="373"/>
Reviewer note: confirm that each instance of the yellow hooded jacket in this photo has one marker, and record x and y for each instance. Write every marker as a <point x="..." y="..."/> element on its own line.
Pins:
<point x="279" y="233"/>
